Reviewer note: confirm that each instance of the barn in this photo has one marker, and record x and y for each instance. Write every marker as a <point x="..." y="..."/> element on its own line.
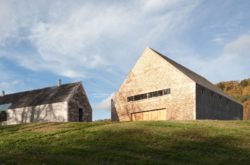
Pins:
<point x="60" y="103"/>
<point x="158" y="88"/>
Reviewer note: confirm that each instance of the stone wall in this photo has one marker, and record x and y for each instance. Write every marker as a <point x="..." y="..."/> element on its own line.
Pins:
<point x="211" y="105"/>
<point x="79" y="101"/>
<point x="56" y="112"/>
<point x="151" y="73"/>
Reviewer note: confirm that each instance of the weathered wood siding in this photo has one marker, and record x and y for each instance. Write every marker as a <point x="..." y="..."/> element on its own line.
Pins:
<point x="151" y="73"/>
<point x="211" y="105"/>
<point x="150" y="115"/>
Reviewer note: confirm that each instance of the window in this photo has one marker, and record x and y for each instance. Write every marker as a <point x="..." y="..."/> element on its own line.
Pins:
<point x="202" y="90"/>
<point x="131" y="98"/>
<point x="137" y="97"/>
<point x="140" y="97"/>
<point x="152" y="94"/>
<point x="166" y="91"/>
<point x="149" y="95"/>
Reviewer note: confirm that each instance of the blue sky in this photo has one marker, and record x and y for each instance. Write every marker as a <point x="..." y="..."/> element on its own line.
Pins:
<point x="97" y="42"/>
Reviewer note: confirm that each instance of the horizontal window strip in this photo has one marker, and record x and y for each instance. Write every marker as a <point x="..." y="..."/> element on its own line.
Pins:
<point x="149" y="95"/>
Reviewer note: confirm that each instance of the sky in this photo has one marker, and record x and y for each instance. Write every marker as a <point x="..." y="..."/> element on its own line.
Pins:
<point x="97" y="42"/>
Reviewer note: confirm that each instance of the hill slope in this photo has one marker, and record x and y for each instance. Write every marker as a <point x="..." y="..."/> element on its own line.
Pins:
<point x="240" y="91"/>
<point x="192" y="142"/>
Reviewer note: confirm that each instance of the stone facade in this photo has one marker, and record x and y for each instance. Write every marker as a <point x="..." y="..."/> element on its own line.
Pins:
<point x="154" y="72"/>
<point x="78" y="108"/>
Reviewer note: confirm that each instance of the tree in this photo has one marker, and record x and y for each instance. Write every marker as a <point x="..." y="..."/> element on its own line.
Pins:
<point x="221" y="85"/>
<point x="244" y="83"/>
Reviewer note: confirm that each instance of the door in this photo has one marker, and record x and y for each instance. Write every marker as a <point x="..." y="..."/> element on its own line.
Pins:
<point x="150" y="115"/>
<point x="80" y="114"/>
<point x="137" y="116"/>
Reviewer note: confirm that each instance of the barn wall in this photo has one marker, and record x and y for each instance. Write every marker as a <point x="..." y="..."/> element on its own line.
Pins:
<point x="79" y="101"/>
<point x="152" y="73"/>
<point x="56" y="112"/>
<point x="211" y="105"/>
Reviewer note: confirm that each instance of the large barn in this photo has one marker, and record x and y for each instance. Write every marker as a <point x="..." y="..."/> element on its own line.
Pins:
<point x="158" y="88"/>
<point x="61" y="103"/>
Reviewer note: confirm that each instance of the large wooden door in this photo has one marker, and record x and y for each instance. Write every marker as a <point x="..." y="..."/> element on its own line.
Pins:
<point x="137" y="116"/>
<point x="150" y="115"/>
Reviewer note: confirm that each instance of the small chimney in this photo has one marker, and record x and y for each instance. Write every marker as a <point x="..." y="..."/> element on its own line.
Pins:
<point x="59" y="82"/>
<point x="3" y="92"/>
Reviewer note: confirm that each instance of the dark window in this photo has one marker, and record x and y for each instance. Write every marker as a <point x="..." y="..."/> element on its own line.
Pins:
<point x="3" y="116"/>
<point x="131" y="98"/>
<point x="159" y="93"/>
<point x="140" y="97"/>
<point x="166" y="91"/>
<point x="137" y="97"/>
<point x="202" y="90"/>
<point x="155" y="94"/>
<point x="152" y="94"/>
<point x="80" y="114"/>
<point x="149" y="95"/>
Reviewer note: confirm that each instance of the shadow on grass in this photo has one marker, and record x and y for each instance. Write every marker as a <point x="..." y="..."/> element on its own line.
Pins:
<point x="131" y="146"/>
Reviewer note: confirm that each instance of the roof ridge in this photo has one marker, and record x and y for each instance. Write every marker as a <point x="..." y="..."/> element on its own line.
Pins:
<point x="42" y="88"/>
<point x="195" y="77"/>
<point x="73" y="91"/>
<point x="47" y="95"/>
<point x="169" y="59"/>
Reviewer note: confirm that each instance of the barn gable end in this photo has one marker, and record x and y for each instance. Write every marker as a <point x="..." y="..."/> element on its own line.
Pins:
<point x="79" y="108"/>
<point x="152" y="73"/>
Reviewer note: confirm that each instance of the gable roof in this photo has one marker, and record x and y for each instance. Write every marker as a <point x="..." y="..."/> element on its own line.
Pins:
<point x="41" y="96"/>
<point x="195" y="77"/>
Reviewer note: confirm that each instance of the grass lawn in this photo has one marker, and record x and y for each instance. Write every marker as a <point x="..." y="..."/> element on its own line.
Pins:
<point x="161" y="142"/>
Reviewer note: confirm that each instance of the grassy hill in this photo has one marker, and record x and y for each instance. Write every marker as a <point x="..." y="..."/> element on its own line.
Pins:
<point x="172" y="142"/>
<point x="240" y="90"/>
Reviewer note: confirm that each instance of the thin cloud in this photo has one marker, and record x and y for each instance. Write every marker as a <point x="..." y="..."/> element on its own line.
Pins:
<point x="105" y="104"/>
<point x="239" y="46"/>
<point x="72" y="39"/>
<point x="231" y="63"/>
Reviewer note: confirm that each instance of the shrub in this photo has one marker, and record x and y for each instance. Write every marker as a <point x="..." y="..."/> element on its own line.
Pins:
<point x="244" y="83"/>
<point x="221" y="85"/>
<point x="244" y="98"/>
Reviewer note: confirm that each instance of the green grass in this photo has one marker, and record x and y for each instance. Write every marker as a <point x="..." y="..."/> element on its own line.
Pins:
<point x="183" y="142"/>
